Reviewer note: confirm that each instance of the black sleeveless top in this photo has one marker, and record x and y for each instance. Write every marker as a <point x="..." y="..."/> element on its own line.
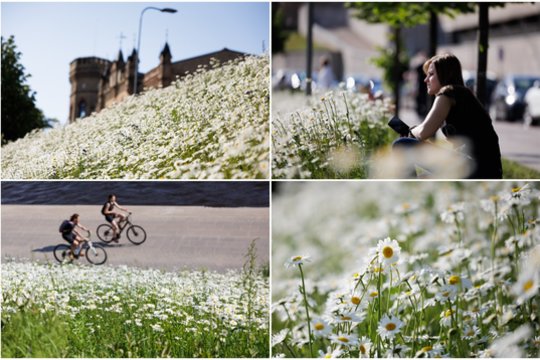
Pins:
<point x="468" y="119"/>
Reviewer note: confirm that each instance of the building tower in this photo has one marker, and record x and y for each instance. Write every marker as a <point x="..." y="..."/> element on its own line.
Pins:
<point x="85" y="75"/>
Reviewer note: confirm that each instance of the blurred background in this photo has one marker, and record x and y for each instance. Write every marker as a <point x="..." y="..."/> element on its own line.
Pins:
<point x="379" y="48"/>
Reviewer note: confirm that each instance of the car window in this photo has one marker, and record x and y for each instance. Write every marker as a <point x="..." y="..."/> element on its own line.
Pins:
<point x="524" y="83"/>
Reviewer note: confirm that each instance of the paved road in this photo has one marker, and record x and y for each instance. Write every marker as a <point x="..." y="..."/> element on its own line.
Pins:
<point x="518" y="143"/>
<point x="179" y="237"/>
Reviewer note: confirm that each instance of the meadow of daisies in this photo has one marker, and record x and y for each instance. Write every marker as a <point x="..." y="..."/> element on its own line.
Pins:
<point x="57" y="311"/>
<point x="211" y="125"/>
<point x="406" y="269"/>
<point x="333" y="135"/>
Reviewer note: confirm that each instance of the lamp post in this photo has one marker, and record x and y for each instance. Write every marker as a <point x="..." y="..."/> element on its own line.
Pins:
<point x="167" y="10"/>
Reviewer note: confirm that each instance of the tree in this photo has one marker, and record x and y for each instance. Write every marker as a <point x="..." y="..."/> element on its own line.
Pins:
<point x="483" y="45"/>
<point x="19" y="112"/>
<point x="398" y="15"/>
<point x="279" y="34"/>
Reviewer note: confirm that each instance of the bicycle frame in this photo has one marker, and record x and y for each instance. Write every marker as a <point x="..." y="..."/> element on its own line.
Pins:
<point x="127" y="222"/>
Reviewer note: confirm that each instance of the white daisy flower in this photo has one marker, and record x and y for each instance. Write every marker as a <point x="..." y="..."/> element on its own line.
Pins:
<point x="320" y="327"/>
<point x="297" y="260"/>
<point x="389" y="327"/>
<point x="526" y="286"/>
<point x="364" y="345"/>
<point x="279" y="337"/>
<point x="350" y="316"/>
<point x="330" y="354"/>
<point x="459" y="282"/>
<point x="470" y="332"/>
<point x="388" y="251"/>
<point x="344" y="340"/>
<point x="446" y="293"/>
<point x="453" y="213"/>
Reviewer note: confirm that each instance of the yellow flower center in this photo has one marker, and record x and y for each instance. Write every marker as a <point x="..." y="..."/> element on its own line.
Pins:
<point x="427" y="348"/>
<point x="390" y="326"/>
<point x="328" y="356"/>
<point x="448" y="313"/>
<point x="446" y="294"/>
<point x="343" y="339"/>
<point x="528" y="285"/>
<point x="373" y="294"/>
<point x="297" y="258"/>
<point x="346" y="318"/>
<point x="388" y="252"/>
<point x="406" y="206"/>
<point x="494" y="198"/>
<point x="516" y="189"/>
<point x="362" y="349"/>
<point x="454" y="279"/>
<point x="355" y="300"/>
<point x="319" y="326"/>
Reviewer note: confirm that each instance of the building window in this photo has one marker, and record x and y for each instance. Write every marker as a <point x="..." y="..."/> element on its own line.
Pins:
<point x="82" y="109"/>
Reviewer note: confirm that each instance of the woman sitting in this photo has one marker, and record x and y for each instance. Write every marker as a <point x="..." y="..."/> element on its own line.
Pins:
<point x="460" y="116"/>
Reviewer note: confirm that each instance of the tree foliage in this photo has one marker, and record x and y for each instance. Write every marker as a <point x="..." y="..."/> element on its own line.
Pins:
<point x="407" y="14"/>
<point x="279" y="34"/>
<point x="19" y="112"/>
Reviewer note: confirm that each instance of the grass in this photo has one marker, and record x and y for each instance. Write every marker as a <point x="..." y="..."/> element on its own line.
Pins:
<point x="297" y="42"/>
<point x="213" y="124"/>
<point x="514" y="170"/>
<point x="332" y="138"/>
<point x="343" y="135"/>
<point x="56" y="311"/>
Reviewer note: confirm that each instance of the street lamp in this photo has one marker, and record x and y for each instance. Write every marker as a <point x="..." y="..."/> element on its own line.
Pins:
<point x="167" y="10"/>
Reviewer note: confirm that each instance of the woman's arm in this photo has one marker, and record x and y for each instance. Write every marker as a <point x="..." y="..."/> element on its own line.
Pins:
<point x="434" y="119"/>
<point x="77" y="233"/>
<point x="120" y="207"/>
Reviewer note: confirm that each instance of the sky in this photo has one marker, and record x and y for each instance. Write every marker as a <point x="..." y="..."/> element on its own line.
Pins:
<point x="51" y="35"/>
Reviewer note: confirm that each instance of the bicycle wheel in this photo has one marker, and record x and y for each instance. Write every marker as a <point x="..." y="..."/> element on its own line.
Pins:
<point x="136" y="234"/>
<point x="95" y="255"/>
<point x="61" y="252"/>
<point x="105" y="233"/>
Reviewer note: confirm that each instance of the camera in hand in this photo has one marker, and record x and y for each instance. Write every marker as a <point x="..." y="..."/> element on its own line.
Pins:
<point x="399" y="126"/>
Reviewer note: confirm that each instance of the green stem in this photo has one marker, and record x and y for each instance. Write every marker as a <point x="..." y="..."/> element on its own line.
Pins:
<point x="494" y="242"/>
<point x="458" y="228"/>
<point x="307" y="310"/>
<point x="379" y="298"/>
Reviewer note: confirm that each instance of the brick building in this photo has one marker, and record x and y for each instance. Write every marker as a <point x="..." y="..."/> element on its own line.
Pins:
<point x="97" y="83"/>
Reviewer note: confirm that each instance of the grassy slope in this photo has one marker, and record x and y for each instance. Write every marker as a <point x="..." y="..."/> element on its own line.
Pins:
<point x="214" y="124"/>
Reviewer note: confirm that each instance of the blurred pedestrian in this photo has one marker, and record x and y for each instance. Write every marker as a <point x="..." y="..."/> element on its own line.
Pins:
<point x="326" y="78"/>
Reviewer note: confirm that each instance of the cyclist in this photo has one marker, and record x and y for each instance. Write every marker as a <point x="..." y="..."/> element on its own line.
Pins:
<point x="112" y="217"/>
<point x="68" y="228"/>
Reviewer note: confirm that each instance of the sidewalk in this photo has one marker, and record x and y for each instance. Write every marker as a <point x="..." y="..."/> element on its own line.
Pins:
<point x="517" y="143"/>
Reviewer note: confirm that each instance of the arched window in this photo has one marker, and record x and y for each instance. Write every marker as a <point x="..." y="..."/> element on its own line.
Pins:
<point x="82" y="112"/>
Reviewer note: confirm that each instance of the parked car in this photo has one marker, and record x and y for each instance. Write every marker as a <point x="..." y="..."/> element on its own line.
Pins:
<point x="531" y="114"/>
<point x="359" y="83"/>
<point x="508" y="100"/>
<point x="469" y="78"/>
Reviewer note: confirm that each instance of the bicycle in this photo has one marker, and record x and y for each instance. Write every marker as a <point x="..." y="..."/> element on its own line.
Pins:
<point x="135" y="233"/>
<point x="94" y="254"/>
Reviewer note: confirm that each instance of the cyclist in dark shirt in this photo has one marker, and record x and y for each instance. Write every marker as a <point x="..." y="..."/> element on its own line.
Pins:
<point x="113" y="217"/>
<point x="68" y="228"/>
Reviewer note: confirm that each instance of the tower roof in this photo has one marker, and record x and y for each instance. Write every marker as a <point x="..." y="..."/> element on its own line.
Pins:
<point x="166" y="50"/>
<point x="133" y="55"/>
<point x="120" y="56"/>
